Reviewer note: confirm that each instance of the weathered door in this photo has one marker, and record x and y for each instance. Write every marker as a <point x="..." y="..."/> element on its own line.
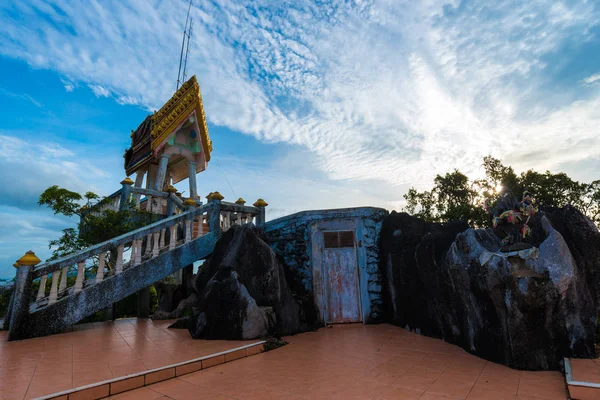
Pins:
<point x="340" y="273"/>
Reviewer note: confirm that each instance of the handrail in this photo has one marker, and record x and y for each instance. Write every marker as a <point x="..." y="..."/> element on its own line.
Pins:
<point x="46" y="268"/>
<point x="226" y="206"/>
<point x="177" y="201"/>
<point x="149" y="192"/>
<point x="115" y="194"/>
<point x="106" y="200"/>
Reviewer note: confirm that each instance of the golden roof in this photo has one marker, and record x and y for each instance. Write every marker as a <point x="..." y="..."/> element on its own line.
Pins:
<point x="176" y="110"/>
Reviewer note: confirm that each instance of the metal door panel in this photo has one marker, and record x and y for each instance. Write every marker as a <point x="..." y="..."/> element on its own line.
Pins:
<point x="341" y="285"/>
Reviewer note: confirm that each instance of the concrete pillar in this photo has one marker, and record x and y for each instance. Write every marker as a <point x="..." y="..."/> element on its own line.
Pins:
<point x="143" y="303"/>
<point x="192" y="179"/>
<point x="261" y="205"/>
<point x="139" y="178"/>
<point x="19" y="308"/>
<point x="109" y="313"/>
<point x="162" y="172"/>
<point x="125" y="193"/>
<point x="20" y="304"/>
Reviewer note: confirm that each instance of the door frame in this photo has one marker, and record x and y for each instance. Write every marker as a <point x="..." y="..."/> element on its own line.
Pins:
<point x="319" y="286"/>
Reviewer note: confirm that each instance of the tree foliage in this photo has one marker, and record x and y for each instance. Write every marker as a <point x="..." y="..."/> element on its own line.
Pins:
<point x="454" y="197"/>
<point x="95" y="225"/>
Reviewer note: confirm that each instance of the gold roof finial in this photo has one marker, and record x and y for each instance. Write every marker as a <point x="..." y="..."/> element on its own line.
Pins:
<point x="127" y="181"/>
<point x="260" y="203"/>
<point x="215" y="196"/>
<point x="189" y="202"/>
<point x="240" y="201"/>
<point x="29" y="259"/>
<point x="171" y="189"/>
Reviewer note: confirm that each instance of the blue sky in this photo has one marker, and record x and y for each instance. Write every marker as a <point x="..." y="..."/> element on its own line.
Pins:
<point x="309" y="105"/>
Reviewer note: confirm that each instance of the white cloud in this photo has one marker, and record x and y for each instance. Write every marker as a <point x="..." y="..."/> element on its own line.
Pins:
<point x="69" y="86"/>
<point x="591" y="80"/>
<point x="389" y="90"/>
<point x="100" y="91"/>
<point x="23" y="96"/>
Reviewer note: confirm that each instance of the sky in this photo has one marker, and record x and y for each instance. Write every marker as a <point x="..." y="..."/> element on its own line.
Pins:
<point x="310" y="105"/>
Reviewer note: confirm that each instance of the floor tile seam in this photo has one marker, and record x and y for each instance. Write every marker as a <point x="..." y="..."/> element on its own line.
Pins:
<point x="31" y="379"/>
<point x="476" y="380"/>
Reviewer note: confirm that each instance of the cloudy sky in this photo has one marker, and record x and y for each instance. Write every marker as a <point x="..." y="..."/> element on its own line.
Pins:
<point x="310" y="105"/>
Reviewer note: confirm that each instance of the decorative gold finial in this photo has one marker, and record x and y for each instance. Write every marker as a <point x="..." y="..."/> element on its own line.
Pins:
<point x="260" y="203"/>
<point x="29" y="259"/>
<point x="215" y="196"/>
<point x="127" y="181"/>
<point x="240" y="201"/>
<point x="132" y="133"/>
<point x="189" y="202"/>
<point x="171" y="189"/>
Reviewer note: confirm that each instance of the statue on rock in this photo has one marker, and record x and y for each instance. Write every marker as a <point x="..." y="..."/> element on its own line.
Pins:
<point x="511" y="220"/>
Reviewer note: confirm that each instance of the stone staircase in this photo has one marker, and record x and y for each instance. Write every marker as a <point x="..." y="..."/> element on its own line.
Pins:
<point x="123" y="266"/>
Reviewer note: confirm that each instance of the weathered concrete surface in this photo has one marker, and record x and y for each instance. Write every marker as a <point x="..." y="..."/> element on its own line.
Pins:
<point x="526" y="314"/>
<point x="290" y="238"/>
<point x="240" y="286"/>
<point x="71" y="309"/>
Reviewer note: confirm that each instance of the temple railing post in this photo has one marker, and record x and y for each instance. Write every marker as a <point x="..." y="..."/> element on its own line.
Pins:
<point x="125" y="194"/>
<point x="170" y="203"/>
<point x="262" y="212"/>
<point x="22" y="295"/>
<point x="214" y="215"/>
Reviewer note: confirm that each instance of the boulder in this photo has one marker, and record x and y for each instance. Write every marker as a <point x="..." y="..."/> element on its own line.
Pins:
<point x="228" y="311"/>
<point x="243" y="292"/>
<point x="526" y="309"/>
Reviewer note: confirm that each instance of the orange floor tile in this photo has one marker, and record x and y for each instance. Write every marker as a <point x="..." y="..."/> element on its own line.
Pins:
<point x="360" y="362"/>
<point x="93" y="353"/>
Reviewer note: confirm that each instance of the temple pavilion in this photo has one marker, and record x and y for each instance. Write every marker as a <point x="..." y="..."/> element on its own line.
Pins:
<point x="171" y="144"/>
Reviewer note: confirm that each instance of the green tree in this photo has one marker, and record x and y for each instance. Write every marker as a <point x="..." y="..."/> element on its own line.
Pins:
<point x="454" y="197"/>
<point x="95" y="225"/>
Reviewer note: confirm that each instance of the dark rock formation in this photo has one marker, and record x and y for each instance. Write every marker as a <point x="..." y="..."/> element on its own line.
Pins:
<point x="243" y="291"/>
<point x="525" y="311"/>
<point x="184" y="305"/>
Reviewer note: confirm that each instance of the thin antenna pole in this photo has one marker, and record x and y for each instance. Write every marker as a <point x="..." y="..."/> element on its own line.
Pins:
<point x="187" y="51"/>
<point x="180" y="81"/>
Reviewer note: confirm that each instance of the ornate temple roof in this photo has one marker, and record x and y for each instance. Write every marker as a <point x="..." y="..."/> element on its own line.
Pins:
<point x="140" y="151"/>
<point x="156" y="128"/>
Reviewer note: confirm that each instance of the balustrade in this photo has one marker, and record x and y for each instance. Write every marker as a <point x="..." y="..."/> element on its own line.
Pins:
<point x="154" y="239"/>
<point x="185" y="223"/>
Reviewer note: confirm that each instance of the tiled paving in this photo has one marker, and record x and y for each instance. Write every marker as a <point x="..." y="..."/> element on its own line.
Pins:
<point x="94" y="353"/>
<point x="587" y="371"/>
<point x="360" y="362"/>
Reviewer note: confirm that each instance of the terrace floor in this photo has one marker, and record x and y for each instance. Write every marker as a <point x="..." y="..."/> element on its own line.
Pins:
<point x="359" y="362"/>
<point x="93" y="353"/>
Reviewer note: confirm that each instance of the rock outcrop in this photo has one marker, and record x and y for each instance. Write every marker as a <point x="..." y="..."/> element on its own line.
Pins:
<point x="526" y="309"/>
<point x="243" y="292"/>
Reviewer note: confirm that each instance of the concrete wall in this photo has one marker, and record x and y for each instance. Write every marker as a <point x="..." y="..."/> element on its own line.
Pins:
<point x="290" y="238"/>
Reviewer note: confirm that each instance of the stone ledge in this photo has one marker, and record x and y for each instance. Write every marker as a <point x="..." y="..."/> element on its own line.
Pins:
<point x="133" y="381"/>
